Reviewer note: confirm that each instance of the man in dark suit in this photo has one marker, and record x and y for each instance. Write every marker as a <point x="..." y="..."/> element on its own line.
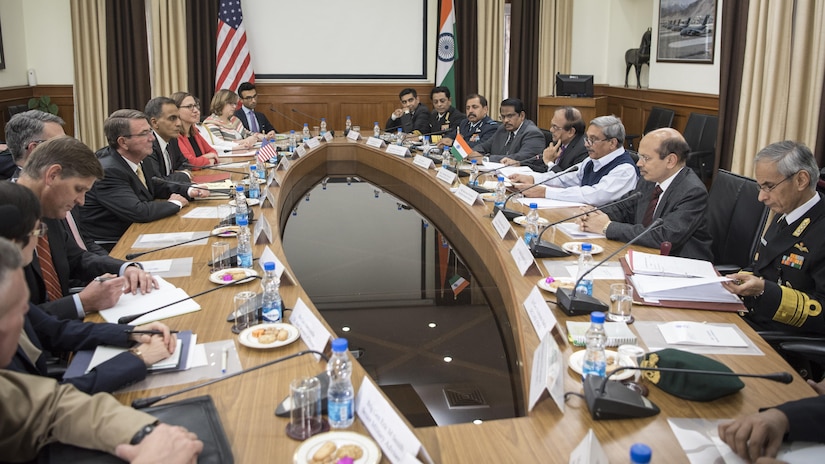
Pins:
<point x="252" y="120"/>
<point x="787" y="288"/>
<point x="568" y="147"/>
<point x="412" y="117"/>
<point x="127" y="193"/>
<point x="164" y="118"/>
<point x="477" y="128"/>
<point x="444" y="116"/>
<point x="60" y="172"/>
<point x="669" y="191"/>
<point x="24" y="132"/>
<point x="517" y="139"/>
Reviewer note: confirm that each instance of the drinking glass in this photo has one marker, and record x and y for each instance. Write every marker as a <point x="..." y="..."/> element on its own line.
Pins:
<point x="305" y="415"/>
<point x="245" y="311"/>
<point x="621" y="303"/>
<point x="220" y="256"/>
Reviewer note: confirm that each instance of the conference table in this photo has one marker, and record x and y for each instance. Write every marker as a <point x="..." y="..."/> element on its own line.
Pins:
<point x="544" y="434"/>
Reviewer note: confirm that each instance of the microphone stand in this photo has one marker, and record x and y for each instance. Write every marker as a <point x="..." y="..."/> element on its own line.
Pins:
<point x="132" y="256"/>
<point x="141" y="403"/>
<point x="217" y="168"/>
<point x="574" y="304"/>
<point x="275" y="110"/>
<point x="306" y="115"/>
<point x="512" y="214"/>
<point x="158" y="180"/>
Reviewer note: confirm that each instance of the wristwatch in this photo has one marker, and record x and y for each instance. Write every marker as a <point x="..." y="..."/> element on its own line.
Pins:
<point x="141" y="434"/>
<point x="136" y="351"/>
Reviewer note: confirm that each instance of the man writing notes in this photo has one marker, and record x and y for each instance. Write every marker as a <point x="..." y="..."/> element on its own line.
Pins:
<point x="412" y="117"/>
<point x="478" y="127"/>
<point x="607" y="174"/>
<point x="787" y="287"/>
<point x="252" y="120"/>
<point x="568" y="147"/>
<point x="516" y="139"/>
<point x="669" y="191"/>
<point x="445" y="117"/>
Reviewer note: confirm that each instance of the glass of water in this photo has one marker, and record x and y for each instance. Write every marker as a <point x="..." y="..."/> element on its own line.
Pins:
<point x="621" y="303"/>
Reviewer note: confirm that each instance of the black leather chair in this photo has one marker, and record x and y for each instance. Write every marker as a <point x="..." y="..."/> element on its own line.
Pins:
<point x="700" y="134"/>
<point x="548" y="136"/>
<point x="658" y="118"/>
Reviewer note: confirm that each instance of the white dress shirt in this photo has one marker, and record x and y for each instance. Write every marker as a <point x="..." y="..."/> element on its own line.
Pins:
<point x="620" y="180"/>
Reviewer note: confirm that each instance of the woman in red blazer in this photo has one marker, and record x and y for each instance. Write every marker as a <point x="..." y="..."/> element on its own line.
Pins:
<point x="194" y="147"/>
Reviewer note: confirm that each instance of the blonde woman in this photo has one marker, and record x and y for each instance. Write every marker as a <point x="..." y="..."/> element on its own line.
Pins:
<point x="224" y="125"/>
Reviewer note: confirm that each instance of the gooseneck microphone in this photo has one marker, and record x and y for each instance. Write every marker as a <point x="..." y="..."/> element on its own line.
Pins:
<point x="542" y="249"/>
<point x="159" y="180"/>
<point x="305" y="115"/>
<point x="283" y="115"/>
<point x="511" y="214"/>
<point x="609" y="399"/>
<point x="217" y="167"/>
<point x="141" y="403"/>
<point x="573" y="303"/>
<point x="132" y="256"/>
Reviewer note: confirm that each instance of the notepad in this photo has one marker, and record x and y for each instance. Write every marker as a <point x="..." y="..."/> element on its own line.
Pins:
<point x="618" y="333"/>
<point x="699" y="334"/>
<point x="668" y="266"/>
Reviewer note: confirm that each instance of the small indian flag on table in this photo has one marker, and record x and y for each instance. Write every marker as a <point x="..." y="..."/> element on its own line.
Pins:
<point x="458" y="284"/>
<point x="460" y="149"/>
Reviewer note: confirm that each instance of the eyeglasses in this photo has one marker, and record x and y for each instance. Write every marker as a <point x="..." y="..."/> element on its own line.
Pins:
<point x="556" y="128"/>
<point x="592" y="141"/>
<point x="250" y="97"/>
<point x="768" y="188"/>
<point x="509" y="116"/>
<point x="192" y="107"/>
<point x="39" y="231"/>
<point x="139" y="134"/>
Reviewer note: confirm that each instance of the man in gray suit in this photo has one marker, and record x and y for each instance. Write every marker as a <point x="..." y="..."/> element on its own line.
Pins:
<point x="669" y="191"/>
<point x="567" y="148"/>
<point x="517" y="139"/>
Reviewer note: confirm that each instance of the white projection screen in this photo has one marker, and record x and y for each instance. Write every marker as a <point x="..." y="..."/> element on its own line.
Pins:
<point x="335" y="39"/>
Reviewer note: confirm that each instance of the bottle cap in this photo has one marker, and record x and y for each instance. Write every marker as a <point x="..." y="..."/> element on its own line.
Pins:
<point x="306" y="124"/>
<point x="253" y="167"/>
<point x="269" y="266"/>
<point x="587" y="247"/>
<point x="534" y="206"/>
<point x="242" y="222"/>
<point x="640" y="453"/>
<point x="597" y="317"/>
<point x="501" y="177"/>
<point x="292" y="131"/>
<point x="239" y="188"/>
<point x="324" y="119"/>
<point x="339" y="345"/>
<point x="475" y="161"/>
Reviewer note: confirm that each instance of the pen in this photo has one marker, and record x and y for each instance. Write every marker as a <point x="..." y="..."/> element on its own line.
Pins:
<point x="102" y="279"/>
<point x="149" y="332"/>
<point x="224" y="360"/>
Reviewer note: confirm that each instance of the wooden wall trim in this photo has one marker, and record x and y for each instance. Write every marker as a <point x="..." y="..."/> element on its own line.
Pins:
<point x="61" y="95"/>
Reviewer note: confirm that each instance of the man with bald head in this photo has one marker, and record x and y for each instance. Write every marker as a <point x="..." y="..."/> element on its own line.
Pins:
<point x="669" y="191"/>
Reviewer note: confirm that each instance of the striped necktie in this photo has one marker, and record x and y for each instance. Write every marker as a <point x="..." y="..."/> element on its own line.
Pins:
<point x="47" y="270"/>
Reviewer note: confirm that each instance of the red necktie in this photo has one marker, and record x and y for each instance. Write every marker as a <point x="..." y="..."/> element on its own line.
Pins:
<point x="651" y="207"/>
<point x="44" y="255"/>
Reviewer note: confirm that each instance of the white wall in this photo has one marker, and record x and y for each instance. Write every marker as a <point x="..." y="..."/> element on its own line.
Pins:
<point x="14" y="44"/>
<point x="48" y="40"/>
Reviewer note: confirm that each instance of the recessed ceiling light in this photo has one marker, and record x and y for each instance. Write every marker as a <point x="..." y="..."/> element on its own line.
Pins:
<point x="345" y="329"/>
<point x="478" y="422"/>
<point x="431" y="325"/>
<point x="448" y="359"/>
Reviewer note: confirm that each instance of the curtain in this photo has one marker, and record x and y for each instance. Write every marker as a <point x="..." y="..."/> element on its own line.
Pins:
<point x="555" y="41"/>
<point x="201" y="49"/>
<point x="733" y="35"/>
<point x="491" y="52"/>
<point x="524" y="54"/>
<point x="466" y="66"/>
<point x="168" y="46"/>
<point x="92" y="98"/>
<point x="127" y="54"/>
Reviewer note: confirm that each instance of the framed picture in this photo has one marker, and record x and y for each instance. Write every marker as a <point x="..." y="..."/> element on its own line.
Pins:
<point x="687" y="31"/>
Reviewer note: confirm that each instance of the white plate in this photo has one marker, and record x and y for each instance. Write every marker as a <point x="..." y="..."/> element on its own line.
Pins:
<point x="260" y="181"/>
<point x="226" y="231"/>
<point x="576" y="248"/>
<point x="249" y="202"/>
<point x="372" y="454"/>
<point x="522" y="220"/>
<point x="489" y="196"/>
<point x="246" y="338"/>
<point x="492" y="184"/>
<point x="553" y="286"/>
<point x="577" y="358"/>
<point x="216" y="277"/>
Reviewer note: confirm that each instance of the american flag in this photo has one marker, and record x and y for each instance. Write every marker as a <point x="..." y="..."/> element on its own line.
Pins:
<point x="267" y="151"/>
<point x="234" y="64"/>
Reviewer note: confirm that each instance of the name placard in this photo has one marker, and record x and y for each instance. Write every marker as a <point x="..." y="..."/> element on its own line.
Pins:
<point x="502" y="226"/>
<point x="301" y="151"/>
<point x="262" y="233"/>
<point x="268" y="200"/>
<point x="284" y="164"/>
<point x="398" y="150"/>
<point x="523" y="258"/>
<point x="313" y="142"/>
<point x="546" y="373"/>
<point x="446" y="176"/>
<point x="312" y="331"/>
<point x="375" y="142"/>
<point x="269" y="256"/>
<point x="328" y="136"/>
<point x="423" y="162"/>
<point x="540" y="314"/>
<point x="589" y="451"/>
<point x="467" y="195"/>
<point x="352" y="135"/>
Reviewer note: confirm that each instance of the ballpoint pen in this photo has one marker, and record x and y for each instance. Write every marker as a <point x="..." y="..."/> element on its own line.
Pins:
<point x="102" y="279"/>
<point x="149" y="332"/>
<point x="224" y="360"/>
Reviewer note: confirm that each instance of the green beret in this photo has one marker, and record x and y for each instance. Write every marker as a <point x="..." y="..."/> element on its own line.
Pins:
<point x="690" y="386"/>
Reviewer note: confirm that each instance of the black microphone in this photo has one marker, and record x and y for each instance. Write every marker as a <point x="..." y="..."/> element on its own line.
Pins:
<point x="421" y="136"/>
<point x="610" y="399"/>
<point x="304" y="114"/>
<point x="218" y="168"/>
<point x="542" y="249"/>
<point x="575" y="304"/>
<point x="511" y="214"/>
<point x="159" y="180"/>
<point x="283" y="115"/>
<point x="132" y="256"/>
<point x="128" y="319"/>
<point x="141" y="403"/>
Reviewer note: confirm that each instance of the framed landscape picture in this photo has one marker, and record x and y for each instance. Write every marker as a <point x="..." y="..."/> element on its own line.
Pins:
<point x="687" y="31"/>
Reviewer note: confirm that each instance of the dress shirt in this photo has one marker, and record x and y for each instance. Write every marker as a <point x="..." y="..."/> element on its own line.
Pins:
<point x="134" y="168"/>
<point x="801" y="210"/>
<point x="619" y="181"/>
<point x="664" y="185"/>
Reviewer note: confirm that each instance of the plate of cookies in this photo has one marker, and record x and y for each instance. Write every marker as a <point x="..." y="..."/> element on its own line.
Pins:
<point x="227" y="276"/>
<point x="330" y="447"/>
<point x="264" y="336"/>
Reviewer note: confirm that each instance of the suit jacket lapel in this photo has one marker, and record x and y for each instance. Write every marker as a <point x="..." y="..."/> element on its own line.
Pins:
<point x="786" y="239"/>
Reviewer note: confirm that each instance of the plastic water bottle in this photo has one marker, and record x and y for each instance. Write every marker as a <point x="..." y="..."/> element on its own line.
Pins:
<point x="595" y="361"/>
<point x="399" y="139"/>
<point x="376" y="130"/>
<point x="474" y="172"/>
<point x="241" y="208"/>
<point x="585" y="263"/>
<point x="272" y="304"/>
<point x="340" y="396"/>
<point x="323" y="126"/>
<point x="244" y="244"/>
<point x="306" y="134"/>
<point x="262" y="167"/>
<point x="531" y="227"/>
<point x="254" y="187"/>
<point x="293" y="140"/>
<point x="426" y="140"/>
<point x="446" y="156"/>
<point x="640" y="454"/>
<point x="501" y="193"/>
<point x="348" y="126"/>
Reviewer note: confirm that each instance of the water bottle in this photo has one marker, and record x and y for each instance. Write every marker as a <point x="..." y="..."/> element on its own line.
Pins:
<point x="501" y="193"/>
<point x="640" y="454"/>
<point x="262" y="167"/>
<point x="244" y="244"/>
<point x="426" y="140"/>
<point x="323" y="126"/>
<point x="376" y="130"/>
<point x="241" y="208"/>
<point x="293" y="140"/>
<point x="446" y="156"/>
<point x="400" y="137"/>
<point x="348" y="126"/>
<point x="595" y="361"/>
<point x="585" y="263"/>
<point x="272" y="304"/>
<point x="474" y="173"/>
<point x="254" y="187"/>
<point x="531" y="227"/>
<point x="306" y="134"/>
<point x="340" y="396"/>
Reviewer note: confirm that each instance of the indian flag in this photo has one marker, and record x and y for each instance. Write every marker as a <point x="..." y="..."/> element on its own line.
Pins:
<point x="458" y="284"/>
<point x="460" y="149"/>
<point x="447" y="51"/>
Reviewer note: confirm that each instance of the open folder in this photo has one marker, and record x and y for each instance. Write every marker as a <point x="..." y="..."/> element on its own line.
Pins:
<point x="85" y="361"/>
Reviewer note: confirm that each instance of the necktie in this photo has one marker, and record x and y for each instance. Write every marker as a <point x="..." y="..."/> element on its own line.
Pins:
<point x="651" y="206"/>
<point x="44" y="256"/>
<point x="75" y="231"/>
<point x="167" y="163"/>
<point x="140" y="175"/>
<point x="507" y="144"/>
<point x="253" y="122"/>
<point x="561" y="153"/>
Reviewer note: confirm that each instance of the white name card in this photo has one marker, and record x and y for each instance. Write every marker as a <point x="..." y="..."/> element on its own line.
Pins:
<point x="523" y="258"/>
<point x="423" y="162"/>
<point x="468" y="195"/>
<point x="589" y="451"/>
<point x="502" y="226"/>
<point x="328" y="136"/>
<point x="398" y="150"/>
<point x="312" y="331"/>
<point x="269" y="256"/>
<point x="268" y="200"/>
<point x="313" y="142"/>
<point x="301" y="151"/>
<point x="375" y="142"/>
<point x="540" y="314"/>
<point x="352" y="135"/>
<point x="446" y="176"/>
<point x="547" y="373"/>
<point x="284" y="164"/>
<point x="262" y="232"/>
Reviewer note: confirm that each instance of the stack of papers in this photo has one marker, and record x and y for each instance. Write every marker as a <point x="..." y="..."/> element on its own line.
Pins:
<point x="668" y="266"/>
<point x="657" y="277"/>
<point x="129" y="304"/>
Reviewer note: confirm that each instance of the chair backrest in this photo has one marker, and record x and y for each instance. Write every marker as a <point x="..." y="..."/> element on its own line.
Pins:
<point x="548" y="136"/>
<point x="700" y="132"/>
<point x="658" y="118"/>
<point x="735" y="217"/>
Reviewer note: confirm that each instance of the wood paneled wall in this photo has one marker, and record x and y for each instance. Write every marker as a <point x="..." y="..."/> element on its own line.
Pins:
<point x="61" y="95"/>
